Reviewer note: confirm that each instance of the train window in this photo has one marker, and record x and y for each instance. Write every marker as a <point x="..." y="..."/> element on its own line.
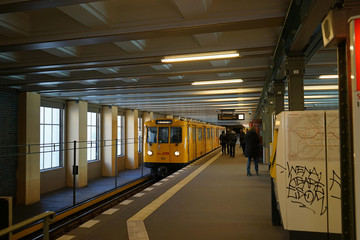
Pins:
<point x="151" y="135"/>
<point x="208" y="132"/>
<point x="163" y="135"/>
<point x="176" y="135"/>
<point x="199" y="134"/>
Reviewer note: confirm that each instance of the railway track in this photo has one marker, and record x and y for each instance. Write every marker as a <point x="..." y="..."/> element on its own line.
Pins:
<point x="71" y="218"/>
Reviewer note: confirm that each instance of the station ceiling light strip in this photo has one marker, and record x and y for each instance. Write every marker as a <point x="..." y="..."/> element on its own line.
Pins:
<point x="200" y="56"/>
<point x="217" y="82"/>
<point x="329" y="76"/>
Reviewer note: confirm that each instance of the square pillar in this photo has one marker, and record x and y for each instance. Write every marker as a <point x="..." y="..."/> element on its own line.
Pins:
<point x="279" y="89"/>
<point x="132" y="156"/>
<point x="28" y="176"/>
<point x="108" y="136"/>
<point x="295" y="79"/>
<point x="148" y="116"/>
<point x="76" y="126"/>
<point x="267" y="129"/>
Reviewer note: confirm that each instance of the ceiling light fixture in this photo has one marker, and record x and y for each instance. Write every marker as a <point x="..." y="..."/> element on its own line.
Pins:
<point x="321" y="87"/>
<point x="217" y="82"/>
<point x="200" y="56"/>
<point x="329" y="76"/>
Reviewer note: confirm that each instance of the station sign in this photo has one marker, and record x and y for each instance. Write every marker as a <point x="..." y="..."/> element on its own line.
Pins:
<point x="231" y="116"/>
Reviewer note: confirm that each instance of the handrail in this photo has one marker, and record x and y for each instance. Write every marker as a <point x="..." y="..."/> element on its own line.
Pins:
<point x="48" y="217"/>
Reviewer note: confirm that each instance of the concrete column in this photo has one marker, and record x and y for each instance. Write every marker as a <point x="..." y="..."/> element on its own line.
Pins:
<point x="76" y="126"/>
<point x="132" y="156"/>
<point x="279" y="89"/>
<point x="28" y="176"/>
<point x="147" y="116"/>
<point x="267" y="129"/>
<point x="296" y="69"/>
<point x="108" y="136"/>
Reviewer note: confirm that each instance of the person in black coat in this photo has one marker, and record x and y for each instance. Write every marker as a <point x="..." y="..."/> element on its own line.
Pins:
<point x="242" y="140"/>
<point x="223" y="142"/>
<point x="252" y="142"/>
<point x="232" y="143"/>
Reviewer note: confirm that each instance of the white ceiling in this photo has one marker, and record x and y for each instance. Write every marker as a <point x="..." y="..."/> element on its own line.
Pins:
<point x="109" y="52"/>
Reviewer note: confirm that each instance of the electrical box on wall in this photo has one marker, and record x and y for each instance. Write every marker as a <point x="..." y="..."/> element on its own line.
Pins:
<point x="333" y="27"/>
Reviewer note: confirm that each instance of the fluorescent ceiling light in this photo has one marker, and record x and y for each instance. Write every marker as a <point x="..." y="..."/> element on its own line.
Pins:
<point x="217" y="82"/>
<point x="316" y="96"/>
<point x="200" y="56"/>
<point x="328" y="76"/>
<point x="321" y="87"/>
<point x="232" y="99"/>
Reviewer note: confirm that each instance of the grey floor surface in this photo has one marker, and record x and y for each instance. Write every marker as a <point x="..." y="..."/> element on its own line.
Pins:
<point x="220" y="203"/>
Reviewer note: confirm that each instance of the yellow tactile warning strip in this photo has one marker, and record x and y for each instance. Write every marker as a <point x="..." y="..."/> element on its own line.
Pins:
<point x="135" y="224"/>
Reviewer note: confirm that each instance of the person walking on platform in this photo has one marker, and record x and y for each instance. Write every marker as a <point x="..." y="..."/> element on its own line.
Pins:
<point x="242" y="140"/>
<point x="252" y="142"/>
<point x="228" y="133"/>
<point x="232" y="143"/>
<point x="223" y="142"/>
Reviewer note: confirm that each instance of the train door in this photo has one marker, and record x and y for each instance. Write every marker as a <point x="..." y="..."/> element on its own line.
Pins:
<point x="188" y="143"/>
<point x="163" y="152"/>
<point x="194" y="143"/>
<point x="205" y="139"/>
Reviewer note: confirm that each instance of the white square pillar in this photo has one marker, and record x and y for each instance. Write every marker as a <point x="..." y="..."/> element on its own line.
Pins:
<point x="28" y="177"/>
<point x="108" y="136"/>
<point x="132" y="156"/>
<point x="76" y="126"/>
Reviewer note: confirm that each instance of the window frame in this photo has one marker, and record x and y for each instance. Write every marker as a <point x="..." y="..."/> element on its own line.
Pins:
<point x="97" y="140"/>
<point x="120" y="142"/>
<point x="57" y="146"/>
<point x="140" y="134"/>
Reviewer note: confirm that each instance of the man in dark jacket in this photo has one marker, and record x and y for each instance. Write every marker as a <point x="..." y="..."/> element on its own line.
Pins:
<point x="223" y="142"/>
<point x="252" y="142"/>
<point x="232" y="143"/>
<point x="242" y="140"/>
<point x="228" y="133"/>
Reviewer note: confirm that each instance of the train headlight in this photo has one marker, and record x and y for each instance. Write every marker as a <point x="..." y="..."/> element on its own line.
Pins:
<point x="150" y="153"/>
<point x="177" y="153"/>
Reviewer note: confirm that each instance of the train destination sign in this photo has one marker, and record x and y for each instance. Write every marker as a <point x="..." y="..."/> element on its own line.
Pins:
<point x="163" y="121"/>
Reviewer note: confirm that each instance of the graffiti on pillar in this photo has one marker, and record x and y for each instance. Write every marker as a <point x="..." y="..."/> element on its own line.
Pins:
<point x="307" y="187"/>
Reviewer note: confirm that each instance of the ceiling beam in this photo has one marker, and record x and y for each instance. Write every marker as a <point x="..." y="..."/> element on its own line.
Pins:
<point x="113" y="35"/>
<point x="21" y="6"/>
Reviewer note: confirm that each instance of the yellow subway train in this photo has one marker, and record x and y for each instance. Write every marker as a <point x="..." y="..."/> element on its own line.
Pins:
<point x="170" y="144"/>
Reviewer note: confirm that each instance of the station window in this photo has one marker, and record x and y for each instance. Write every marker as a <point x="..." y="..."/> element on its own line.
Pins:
<point x="120" y="135"/>
<point x="140" y="122"/>
<point x="50" y="137"/>
<point x="93" y="133"/>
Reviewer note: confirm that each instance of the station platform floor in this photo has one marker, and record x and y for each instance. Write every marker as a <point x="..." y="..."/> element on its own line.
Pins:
<point x="211" y="199"/>
<point x="63" y="198"/>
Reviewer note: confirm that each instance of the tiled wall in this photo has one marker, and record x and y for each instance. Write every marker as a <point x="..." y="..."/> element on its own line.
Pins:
<point x="8" y="137"/>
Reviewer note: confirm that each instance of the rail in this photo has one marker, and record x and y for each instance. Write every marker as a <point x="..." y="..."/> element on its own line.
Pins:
<point x="47" y="216"/>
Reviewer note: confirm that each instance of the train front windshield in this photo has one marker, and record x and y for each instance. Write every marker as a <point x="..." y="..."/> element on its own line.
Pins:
<point x="151" y="135"/>
<point x="175" y="135"/>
